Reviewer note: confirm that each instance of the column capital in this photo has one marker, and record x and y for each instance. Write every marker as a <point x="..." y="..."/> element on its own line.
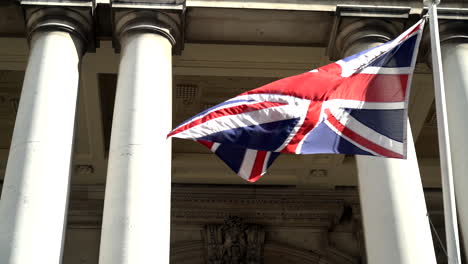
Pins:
<point x="77" y="22"/>
<point x="453" y="29"/>
<point x="167" y="24"/>
<point x="450" y="30"/>
<point x="355" y="31"/>
<point x="453" y="24"/>
<point x="358" y="24"/>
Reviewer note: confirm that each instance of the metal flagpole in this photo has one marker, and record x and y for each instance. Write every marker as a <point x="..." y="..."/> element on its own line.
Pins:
<point x="450" y="213"/>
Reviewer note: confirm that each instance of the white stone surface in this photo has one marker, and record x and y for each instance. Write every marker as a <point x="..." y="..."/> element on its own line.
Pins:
<point x="136" y="219"/>
<point x="394" y="212"/>
<point x="455" y="66"/>
<point x="34" y="198"/>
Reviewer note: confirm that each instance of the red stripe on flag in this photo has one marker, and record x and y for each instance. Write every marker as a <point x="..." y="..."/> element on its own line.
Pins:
<point x="326" y="85"/>
<point x="257" y="168"/>
<point x="372" y="88"/>
<point x="418" y="27"/>
<point x="311" y="119"/>
<point x="314" y="86"/>
<point x="359" y="139"/>
<point x="205" y="143"/>
<point x="235" y="110"/>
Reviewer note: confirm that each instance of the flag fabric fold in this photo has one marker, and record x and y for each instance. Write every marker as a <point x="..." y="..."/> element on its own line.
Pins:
<point x="357" y="105"/>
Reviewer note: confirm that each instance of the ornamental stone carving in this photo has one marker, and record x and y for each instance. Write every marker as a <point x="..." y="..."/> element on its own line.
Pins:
<point x="234" y="242"/>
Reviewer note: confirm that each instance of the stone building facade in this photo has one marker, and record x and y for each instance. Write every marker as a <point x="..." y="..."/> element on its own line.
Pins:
<point x="89" y="90"/>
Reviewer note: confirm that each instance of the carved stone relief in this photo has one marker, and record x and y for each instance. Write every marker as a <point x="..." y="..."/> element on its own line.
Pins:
<point x="234" y="242"/>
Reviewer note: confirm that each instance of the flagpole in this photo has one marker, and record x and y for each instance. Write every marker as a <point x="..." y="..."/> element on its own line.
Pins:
<point x="450" y="213"/>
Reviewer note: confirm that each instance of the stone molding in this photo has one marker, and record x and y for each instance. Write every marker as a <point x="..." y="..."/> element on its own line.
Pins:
<point x="288" y="207"/>
<point x="189" y="252"/>
<point x="292" y="255"/>
<point x="72" y="3"/>
<point x="149" y="4"/>
<point x="197" y="205"/>
<point x="373" y="11"/>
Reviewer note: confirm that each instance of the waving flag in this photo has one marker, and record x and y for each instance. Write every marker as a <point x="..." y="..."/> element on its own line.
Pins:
<point x="357" y="105"/>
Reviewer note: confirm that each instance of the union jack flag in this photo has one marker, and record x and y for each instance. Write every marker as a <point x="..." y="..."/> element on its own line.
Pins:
<point x="357" y="105"/>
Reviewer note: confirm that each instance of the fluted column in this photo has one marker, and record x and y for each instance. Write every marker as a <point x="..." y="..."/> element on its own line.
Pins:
<point x="34" y="199"/>
<point x="394" y="211"/>
<point x="454" y="38"/>
<point x="136" y="221"/>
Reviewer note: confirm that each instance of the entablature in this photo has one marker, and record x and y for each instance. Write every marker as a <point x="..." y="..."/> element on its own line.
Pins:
<point x="266" y="22"/>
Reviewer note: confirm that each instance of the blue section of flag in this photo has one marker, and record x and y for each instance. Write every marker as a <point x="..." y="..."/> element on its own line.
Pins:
<point x="232" y="155"/>
<point x="386" y="122"/>
<point x="267" y="136"/>
<point x="400" y="56"/>
<point x="273" y="156"/>
<point x="324" y="140"/>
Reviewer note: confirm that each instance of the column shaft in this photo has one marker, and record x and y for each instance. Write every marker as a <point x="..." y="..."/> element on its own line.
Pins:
<point x="136" y="221"/>
<point x="34" y="198"/>
<point x="394" y="211"/>
<point x="455" y="67"/>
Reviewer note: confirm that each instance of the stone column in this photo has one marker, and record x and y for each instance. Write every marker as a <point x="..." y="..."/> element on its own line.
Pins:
<point x="33" y="205"/>
<point x="394" y="211"/>
<point x="136" y="221"/>
<point x="454" y="38"/>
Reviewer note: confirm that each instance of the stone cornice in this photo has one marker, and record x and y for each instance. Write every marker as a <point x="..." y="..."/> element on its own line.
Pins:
<point x="451" y="13"/>
<point x="285" y="206"/>
<point x="149" y="4"/>
<point x="57" y="3"/>
<point x="202" y="204"/>
<point x="201" y="13"/>
<point x="372" y="11"/>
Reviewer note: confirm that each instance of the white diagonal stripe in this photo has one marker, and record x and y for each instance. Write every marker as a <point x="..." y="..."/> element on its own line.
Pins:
<point x="262" y="116"/>
<point x="233" y="104"/>
<point x="215" y="146"/>
<point x="356" y="104"/>
<point x="385" y="70"/>
<point x="265" y="97"/>
<point x="265" y="162"/>
<point x="247" y="164"/>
